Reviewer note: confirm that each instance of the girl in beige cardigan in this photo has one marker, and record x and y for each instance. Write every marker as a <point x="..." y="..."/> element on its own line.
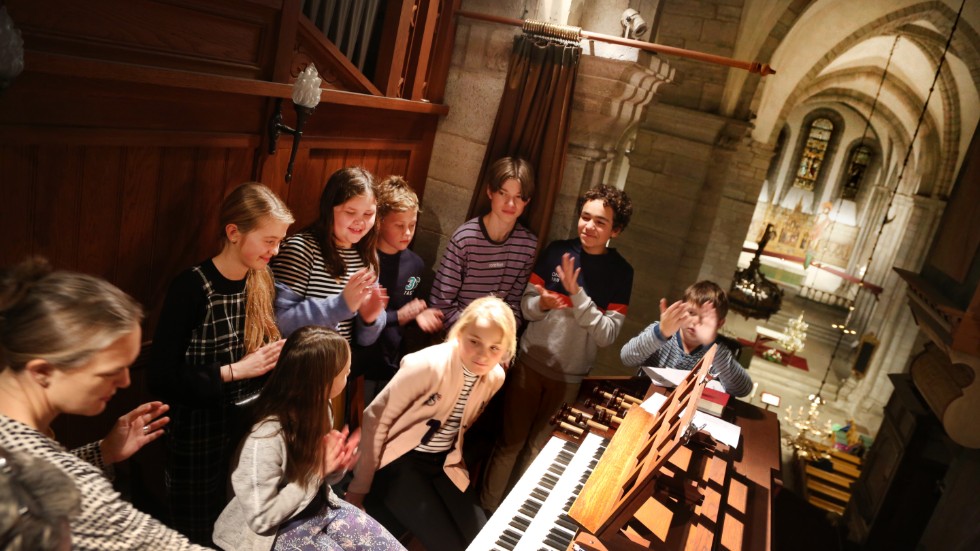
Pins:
<point x="412" y="450"/>
<point x="284" y="468"/>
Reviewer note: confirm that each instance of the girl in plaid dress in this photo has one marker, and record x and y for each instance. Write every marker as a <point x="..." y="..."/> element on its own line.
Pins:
<point x="215" y="342"/>
<point x="284" y="467"/>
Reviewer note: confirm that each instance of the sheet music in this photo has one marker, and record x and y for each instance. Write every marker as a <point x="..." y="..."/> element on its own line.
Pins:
<point x="720" y="430"/>
<point x="667" y="377"/>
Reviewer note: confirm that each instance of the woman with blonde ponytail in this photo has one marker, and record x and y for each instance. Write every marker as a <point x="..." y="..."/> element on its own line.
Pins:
<point x="215" y="342"/>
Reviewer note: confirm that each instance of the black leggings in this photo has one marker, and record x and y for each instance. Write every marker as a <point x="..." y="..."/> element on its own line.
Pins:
<point x="416" y="492"/>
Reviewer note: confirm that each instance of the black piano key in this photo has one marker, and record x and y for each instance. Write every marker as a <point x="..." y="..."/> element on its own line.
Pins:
<point x="507" y="545"/>
<point x="566" y="523"/>
<point x="561" y="535"/>
<point x="519" y="524"/>
<point x="530" y="508"/>
<point x="555" y="542"/>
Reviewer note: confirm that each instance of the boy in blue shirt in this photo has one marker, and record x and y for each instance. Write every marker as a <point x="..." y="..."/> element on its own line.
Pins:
<point x="685" y="332"/>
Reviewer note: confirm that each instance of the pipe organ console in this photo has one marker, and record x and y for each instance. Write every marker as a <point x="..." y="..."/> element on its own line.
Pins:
<point x="614" y="476"/>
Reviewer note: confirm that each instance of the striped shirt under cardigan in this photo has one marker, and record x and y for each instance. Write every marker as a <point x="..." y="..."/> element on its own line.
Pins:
<point x="445" y="436"/>
<point x="475" y="266"/>
<point x="650" y="348"/>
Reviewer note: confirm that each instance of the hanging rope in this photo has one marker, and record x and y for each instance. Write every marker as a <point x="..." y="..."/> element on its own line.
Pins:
<point x="894" y="191"/>
<point x="908" y="152"/>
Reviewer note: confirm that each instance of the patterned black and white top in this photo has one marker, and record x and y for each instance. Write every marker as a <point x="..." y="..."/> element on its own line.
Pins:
<point x="106" y="521"/>
<point x="444" y="437"/>
<point x="306" y="294"/>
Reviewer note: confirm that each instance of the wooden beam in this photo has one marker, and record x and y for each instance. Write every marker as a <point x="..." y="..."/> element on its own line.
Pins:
<point x="107" y="70"/>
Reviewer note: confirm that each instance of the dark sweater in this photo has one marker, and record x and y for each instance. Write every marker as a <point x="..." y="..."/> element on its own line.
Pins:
<point x="401" y="275"/>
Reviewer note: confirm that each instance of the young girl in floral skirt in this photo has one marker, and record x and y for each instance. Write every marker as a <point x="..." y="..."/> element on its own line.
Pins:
<point x="282" y="474"/>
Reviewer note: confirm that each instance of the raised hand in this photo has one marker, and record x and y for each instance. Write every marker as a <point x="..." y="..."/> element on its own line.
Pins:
<point x="706" y="330"/>
<point x="430" y="320"/>
<point x="374" y="304"/>
<point x="549" y="299"/>
<point x="134" y="430"/>
<point x="258" y="362"/>
<point x="675" y="317"/>
<point x="358" y="288"/>
<point x="568" y="274"/>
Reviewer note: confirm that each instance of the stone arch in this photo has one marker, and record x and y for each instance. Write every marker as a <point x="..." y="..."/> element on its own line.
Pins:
<point x="744" y="105"/>
<point x="779" y="153"/>
<point x="966" y="41"/>
<point x="950" y="96"/>
<point x="832" y="88"/>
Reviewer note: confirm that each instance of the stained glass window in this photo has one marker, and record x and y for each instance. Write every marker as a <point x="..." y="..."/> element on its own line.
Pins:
<point x="857" y="165"/>
<point x="813" y="154"/>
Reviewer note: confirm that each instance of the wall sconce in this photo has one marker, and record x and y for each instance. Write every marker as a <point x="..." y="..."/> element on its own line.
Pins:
<point x="633" y="24"/>
<point x="306" y="96"/>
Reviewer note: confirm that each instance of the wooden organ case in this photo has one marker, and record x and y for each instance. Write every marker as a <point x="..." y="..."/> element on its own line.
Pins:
<point x="618" y="477"/>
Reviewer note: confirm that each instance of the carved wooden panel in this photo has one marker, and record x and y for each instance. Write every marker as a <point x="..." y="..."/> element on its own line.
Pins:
<point x="227" y="37"/>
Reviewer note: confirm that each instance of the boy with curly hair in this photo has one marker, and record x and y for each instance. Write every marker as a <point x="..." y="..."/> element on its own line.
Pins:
<point x="574" y="303"/>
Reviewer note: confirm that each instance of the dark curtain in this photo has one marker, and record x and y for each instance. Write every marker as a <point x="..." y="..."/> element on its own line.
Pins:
<point x="532" y="123"/>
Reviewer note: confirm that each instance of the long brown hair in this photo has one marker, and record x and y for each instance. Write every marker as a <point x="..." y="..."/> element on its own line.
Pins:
<point x="297" y="394"/>
<point x="247" y="207"/>
<point x="342" y="186"/>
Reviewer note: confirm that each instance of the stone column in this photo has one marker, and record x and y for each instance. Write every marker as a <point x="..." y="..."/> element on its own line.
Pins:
<point x="915" y="221"/>
<point x="610" y="98"/>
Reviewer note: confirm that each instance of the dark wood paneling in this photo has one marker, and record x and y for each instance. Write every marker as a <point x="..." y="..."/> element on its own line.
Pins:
<point x="231" y="37"/>
<point x="55" y="231"/>
<point x="135" y="246"/>
<point x="100" y="210"/>
<point x="40" y="99"/>
<point x="16" y="214"/>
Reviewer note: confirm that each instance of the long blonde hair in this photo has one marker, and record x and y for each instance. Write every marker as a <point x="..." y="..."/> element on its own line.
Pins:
<point x="494" y="310"/>
<point x="247" y="207"/>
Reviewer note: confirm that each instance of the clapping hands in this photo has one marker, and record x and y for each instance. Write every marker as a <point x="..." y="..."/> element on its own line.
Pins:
<point x="341" y="451"/>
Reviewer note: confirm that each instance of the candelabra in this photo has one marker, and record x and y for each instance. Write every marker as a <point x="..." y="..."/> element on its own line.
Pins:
<point x="795" y="335"/>
<point x="807" y="433"/>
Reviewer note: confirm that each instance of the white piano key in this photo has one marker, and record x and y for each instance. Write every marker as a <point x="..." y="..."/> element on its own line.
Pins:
<point x="558" y="473"/>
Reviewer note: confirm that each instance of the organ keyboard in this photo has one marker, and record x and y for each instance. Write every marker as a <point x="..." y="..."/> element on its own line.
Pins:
<point x="534" y="516"/>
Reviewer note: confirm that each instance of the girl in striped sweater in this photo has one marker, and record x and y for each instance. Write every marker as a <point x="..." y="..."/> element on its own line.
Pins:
<point x="327" y="273"/>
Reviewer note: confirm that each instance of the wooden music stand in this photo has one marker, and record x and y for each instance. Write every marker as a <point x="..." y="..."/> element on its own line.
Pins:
<point x="646" y="473"/>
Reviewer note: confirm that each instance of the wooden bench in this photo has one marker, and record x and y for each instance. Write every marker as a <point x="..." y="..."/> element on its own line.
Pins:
<point x="829" y="490"/>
